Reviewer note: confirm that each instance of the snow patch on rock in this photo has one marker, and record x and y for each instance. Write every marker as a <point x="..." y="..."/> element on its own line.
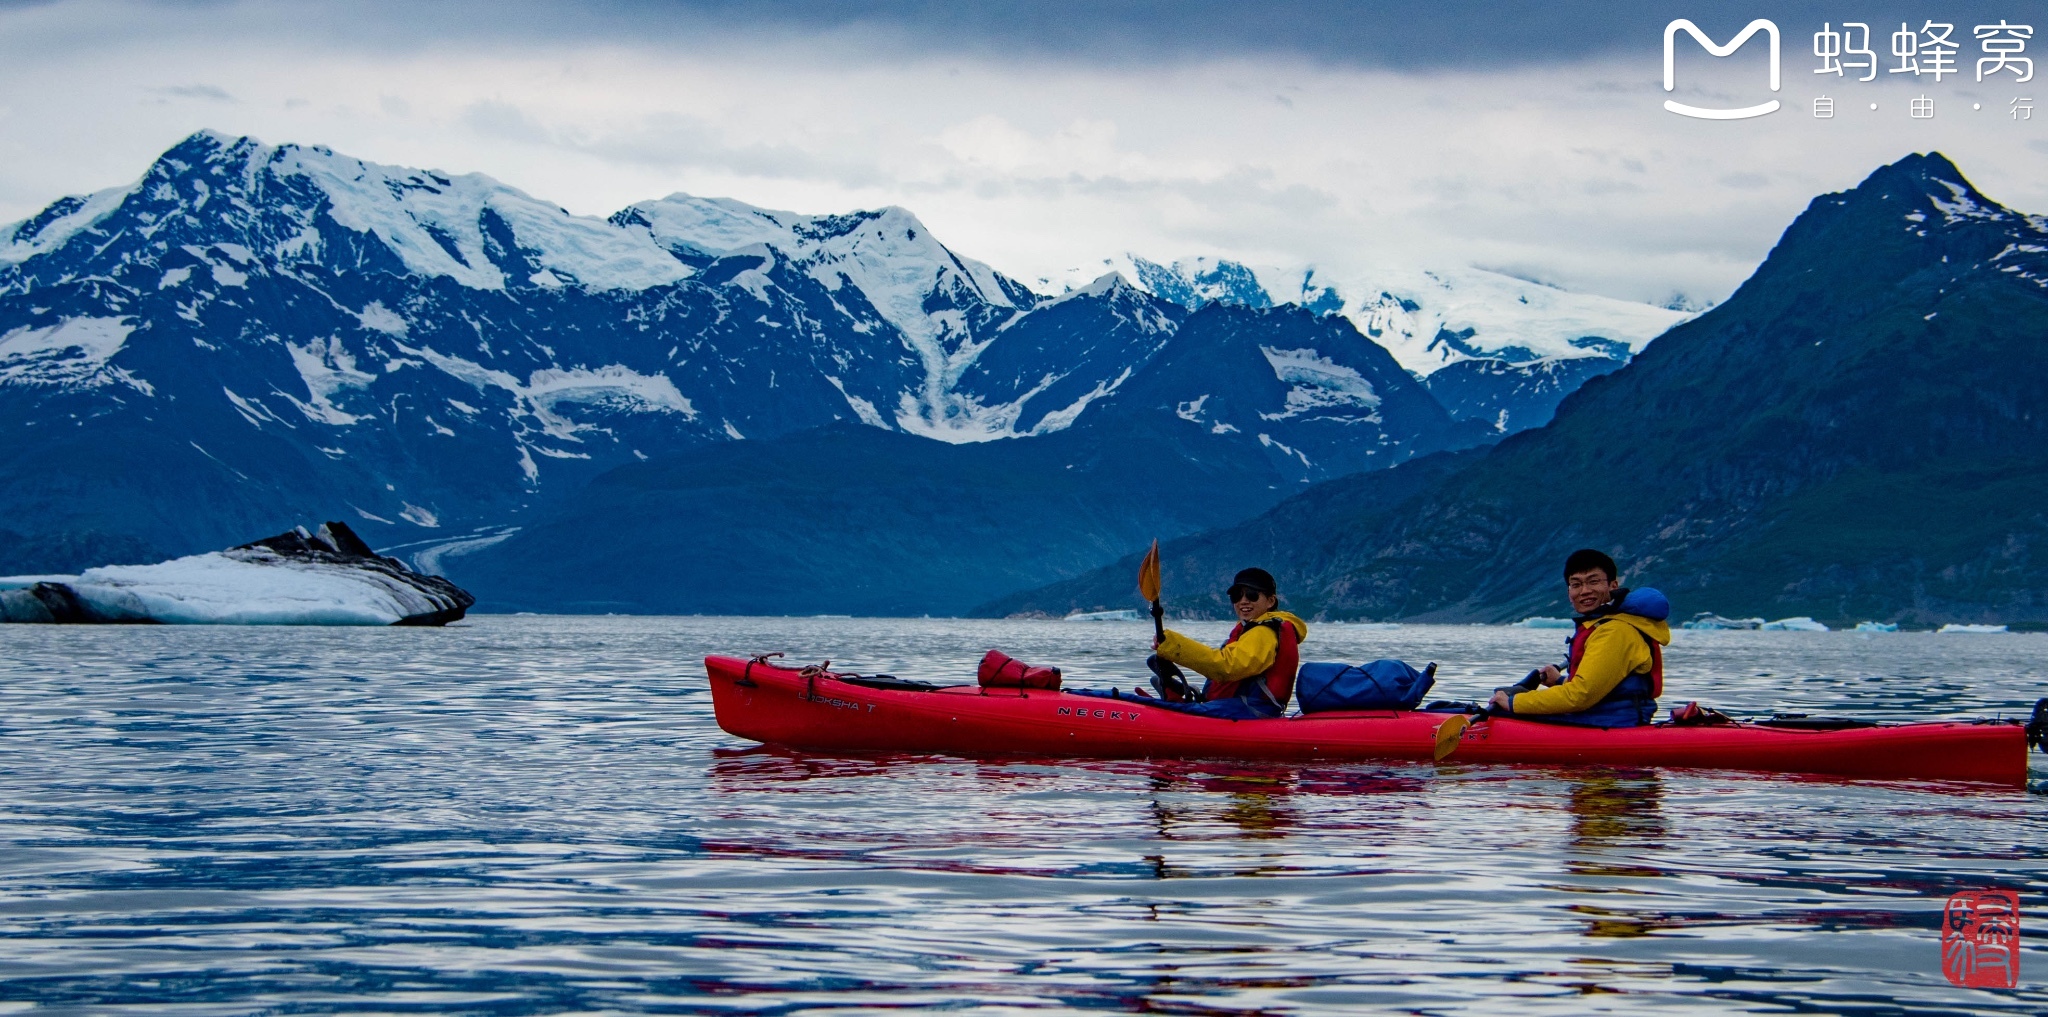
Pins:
<point x="75" y="352"/>
<point x="1317" y="383"/>
<point x="327" y="369"/>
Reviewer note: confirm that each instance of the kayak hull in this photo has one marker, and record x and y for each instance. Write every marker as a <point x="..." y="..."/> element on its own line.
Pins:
<point x="818" y="712"/>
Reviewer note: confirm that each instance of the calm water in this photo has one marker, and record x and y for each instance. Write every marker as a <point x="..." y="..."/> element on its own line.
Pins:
<point x="540" y="815"/>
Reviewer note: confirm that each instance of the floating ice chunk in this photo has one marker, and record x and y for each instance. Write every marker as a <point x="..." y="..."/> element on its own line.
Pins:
<point x="295" y="578"/>
<point x="1974" y="629"/>
<point x="241" y="588"/>
<point x="1872" y="626"/>
<point x="1544" y="623"/>
<point x="1710" y="621"/>
<point x="1124" y="614"/>
<point x="1799" y="624"/>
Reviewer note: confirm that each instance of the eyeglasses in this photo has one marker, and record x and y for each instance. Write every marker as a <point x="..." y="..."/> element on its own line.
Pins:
<point x="1237" y="593"/>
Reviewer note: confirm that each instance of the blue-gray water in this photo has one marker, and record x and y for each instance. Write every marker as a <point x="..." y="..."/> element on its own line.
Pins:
<point x="540" y="815"/>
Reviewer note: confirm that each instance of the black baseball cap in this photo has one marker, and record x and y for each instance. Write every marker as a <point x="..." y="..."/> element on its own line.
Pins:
<point x="1254" y="579"/>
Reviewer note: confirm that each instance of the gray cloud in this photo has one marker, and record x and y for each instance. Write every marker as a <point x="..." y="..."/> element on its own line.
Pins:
<point x="213" y="92"/>
<point x="1158" y="134"/>
<point x="1398" y="34"/>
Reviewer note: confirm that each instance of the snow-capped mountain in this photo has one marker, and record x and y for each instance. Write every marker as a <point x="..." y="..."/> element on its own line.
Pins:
<point x="251" y="332"/>
<point x="1858" y="432"/>
<point x="1426" y="318"/>
<point x="1514" y="347"/>
<point x="882" y="269"/>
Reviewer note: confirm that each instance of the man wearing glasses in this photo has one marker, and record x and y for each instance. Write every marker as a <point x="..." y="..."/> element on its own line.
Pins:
<point x="1614" y="669"/>
<point x="1252" y="675"/>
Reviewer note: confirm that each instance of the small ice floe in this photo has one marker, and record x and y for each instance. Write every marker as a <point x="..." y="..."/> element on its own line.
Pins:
<point x="1974" y="629"/>
<point x="294" y="578"/>
<point x="1122" y="614"/>
<point x="1873" y="626"/>
<point x="1544" y="623"/>
<point x="1799" y="624"/>
<point x="1370" y="626"/>
<point x="1711" y="621"/>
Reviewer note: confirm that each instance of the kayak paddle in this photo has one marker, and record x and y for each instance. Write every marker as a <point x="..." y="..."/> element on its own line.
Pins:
<point x="1448" y="733"/>
<point x="1148" y="588"/>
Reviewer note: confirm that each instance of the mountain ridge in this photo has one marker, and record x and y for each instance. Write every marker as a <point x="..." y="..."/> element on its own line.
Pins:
<point x="1848" y="438"/>
<point x="436" y="357"/>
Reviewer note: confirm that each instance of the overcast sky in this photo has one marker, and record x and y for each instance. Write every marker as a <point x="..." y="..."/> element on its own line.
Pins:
<point x="1043" y="137"/>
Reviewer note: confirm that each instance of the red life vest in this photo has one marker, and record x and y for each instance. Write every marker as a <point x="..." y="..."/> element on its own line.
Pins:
<point x="1585" y="632"/>
<point x="1279" y="678"/>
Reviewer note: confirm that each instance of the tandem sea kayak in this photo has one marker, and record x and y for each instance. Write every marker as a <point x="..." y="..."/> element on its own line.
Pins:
<point x="817" y="710"/>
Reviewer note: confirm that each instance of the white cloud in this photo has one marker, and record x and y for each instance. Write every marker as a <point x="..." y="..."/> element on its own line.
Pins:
<point x="1571" y="173"/>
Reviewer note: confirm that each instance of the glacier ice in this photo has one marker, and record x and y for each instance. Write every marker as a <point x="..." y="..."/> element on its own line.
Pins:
<point x="295" y="578"/>
<point x="1799" y="624"/>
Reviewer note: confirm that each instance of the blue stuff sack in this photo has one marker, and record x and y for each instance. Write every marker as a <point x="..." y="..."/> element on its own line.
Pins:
<point x="1380" y="685"/>
<point x="1646" y="603"/>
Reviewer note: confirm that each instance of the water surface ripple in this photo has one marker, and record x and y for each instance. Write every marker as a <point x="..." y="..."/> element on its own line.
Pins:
<point x="524" y="815"/>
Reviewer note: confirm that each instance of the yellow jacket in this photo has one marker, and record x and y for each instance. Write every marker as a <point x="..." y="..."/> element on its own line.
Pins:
<point x="1613" y="652"/>
<point x="1249" y="657"/>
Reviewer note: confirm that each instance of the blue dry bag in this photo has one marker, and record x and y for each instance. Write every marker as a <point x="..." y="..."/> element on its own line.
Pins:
<point x="1380" y="685"/>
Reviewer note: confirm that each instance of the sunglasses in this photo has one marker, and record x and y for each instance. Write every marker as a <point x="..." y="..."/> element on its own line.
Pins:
<point x="1237" y="593"/>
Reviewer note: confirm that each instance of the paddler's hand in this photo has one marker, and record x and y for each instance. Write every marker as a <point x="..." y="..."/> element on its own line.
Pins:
<point x="1551" y="675"/>
<point x="1502" y="700"/>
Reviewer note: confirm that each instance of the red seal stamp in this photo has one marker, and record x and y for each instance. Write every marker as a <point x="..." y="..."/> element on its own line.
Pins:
<point x="1980" y="939"/>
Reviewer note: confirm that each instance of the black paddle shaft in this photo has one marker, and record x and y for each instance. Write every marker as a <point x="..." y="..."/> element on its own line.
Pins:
<point x="1158" y="623"/>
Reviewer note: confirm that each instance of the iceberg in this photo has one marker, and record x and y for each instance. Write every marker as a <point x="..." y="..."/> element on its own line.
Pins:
<point x="1546" y="623"/>
<point x="1799" y="624"/>
<point x="1973" y="629"/>
<point x="294" y="578"/>
<point x="1124" y="614"/>
<point x="1871" y="626"/>
<point x="1710" y="621"/>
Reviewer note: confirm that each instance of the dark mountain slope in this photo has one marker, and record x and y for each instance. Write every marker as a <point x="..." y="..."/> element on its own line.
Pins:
<point x="1857" y="432"/>
<point x="862" y="521"/>
<point x="849" y="519"/>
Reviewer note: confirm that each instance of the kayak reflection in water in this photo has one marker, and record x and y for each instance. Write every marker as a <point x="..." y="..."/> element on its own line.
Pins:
<point x="1252" y="675"/>
<point x="1614" y="669"/>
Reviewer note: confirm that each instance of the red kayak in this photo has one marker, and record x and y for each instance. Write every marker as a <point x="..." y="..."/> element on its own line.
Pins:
<point x="818" y="710"/>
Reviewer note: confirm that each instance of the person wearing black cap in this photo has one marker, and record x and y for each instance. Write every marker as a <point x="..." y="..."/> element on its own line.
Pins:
<point x="1252" y="675"/>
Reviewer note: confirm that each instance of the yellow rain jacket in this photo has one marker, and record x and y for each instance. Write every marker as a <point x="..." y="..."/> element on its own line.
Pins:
<point x="1249" y="657"/>
<point x="1614" y="651"/>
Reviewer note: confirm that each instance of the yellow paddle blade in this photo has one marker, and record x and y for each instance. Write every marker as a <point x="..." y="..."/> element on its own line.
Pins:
<point x="1448" y="733"/>
<point x="1148" y="574"/>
